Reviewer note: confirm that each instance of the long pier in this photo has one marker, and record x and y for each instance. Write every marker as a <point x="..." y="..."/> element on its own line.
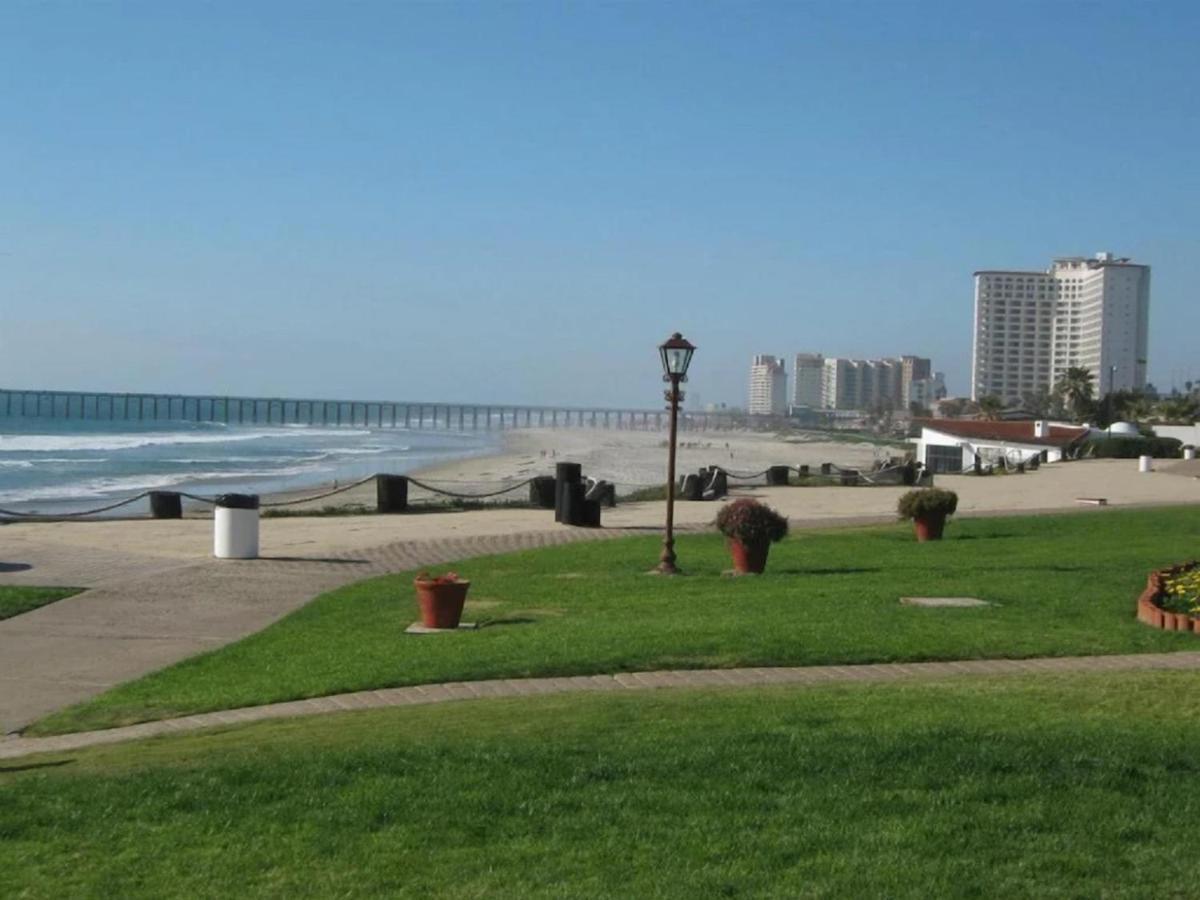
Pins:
<point x="115" y="407"/>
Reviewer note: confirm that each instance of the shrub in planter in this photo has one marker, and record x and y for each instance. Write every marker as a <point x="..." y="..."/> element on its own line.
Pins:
<point x="750" y="527"/>
<point x="441" y="599"/>
<point x="928" y="509"/>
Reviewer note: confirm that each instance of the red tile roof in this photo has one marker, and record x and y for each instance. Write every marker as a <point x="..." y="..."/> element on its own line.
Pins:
<point x="1012" y="432"/>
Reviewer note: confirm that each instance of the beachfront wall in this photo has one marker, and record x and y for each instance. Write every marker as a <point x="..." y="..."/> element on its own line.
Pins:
<point x="1189" y="434"/>
<point x="80" y="405"/>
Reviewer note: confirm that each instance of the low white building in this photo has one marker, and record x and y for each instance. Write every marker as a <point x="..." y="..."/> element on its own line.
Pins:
<point x="1189" y="434"/>
<point x="952" y="445"/>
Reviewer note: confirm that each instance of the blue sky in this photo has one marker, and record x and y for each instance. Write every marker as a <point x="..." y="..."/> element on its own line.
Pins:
<point x="515" y="202"/>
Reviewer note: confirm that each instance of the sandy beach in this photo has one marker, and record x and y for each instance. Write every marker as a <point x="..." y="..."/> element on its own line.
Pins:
<point x="634" y="459"/>
<point x="629" y="459"/>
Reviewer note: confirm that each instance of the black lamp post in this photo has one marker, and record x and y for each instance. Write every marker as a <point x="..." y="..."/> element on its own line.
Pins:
<point x="1108" y="398"/>
<point x="676" y="355"/>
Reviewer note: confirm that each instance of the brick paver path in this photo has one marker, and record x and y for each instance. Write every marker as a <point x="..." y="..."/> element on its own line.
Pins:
<point x="140" y="611"/>
<point x="12" y="747"/>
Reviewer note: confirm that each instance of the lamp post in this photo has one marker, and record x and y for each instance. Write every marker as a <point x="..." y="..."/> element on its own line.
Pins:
<point x="1108" y="398"/>
<point x="676" y="355"/>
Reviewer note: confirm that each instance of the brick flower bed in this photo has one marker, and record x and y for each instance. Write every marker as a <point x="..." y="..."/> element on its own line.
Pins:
<point x="1149" y="608"/>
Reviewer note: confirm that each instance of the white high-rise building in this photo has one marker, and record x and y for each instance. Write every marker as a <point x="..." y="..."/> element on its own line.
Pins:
<point x="807" y="373"/>
<point x="768" y="386"/>
<point x="1030" y="327"/>
<point x="862" y="383"/>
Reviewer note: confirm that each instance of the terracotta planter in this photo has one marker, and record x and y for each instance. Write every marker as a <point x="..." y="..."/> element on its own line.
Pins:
<point x="930" y="527"/>
<point x="749" y="558"/>
<point x="441" y="604"/>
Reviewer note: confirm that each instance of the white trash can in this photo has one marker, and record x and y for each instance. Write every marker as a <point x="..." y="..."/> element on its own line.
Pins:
<point x="1144" y="463"/>
<point x="1189" y="452"/>
<point x="235" y="526"/>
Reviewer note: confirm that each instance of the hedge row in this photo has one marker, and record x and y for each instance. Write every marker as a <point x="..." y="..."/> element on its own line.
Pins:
<point x="1131" y="448"/>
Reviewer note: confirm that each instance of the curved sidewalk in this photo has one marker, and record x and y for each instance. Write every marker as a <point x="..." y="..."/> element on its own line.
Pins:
<point x="14" y="747"/>
<point x="160" y="598"/>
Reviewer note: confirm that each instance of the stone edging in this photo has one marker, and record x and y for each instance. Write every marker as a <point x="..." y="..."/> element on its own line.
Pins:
<point x="1149" y="611"/>
<point x="17" y="746"/>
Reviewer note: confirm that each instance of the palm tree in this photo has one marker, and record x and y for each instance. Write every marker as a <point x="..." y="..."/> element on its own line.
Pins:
<point x="953" y="407"/>
<point x="990" y="406"/>
<point x="1177" y="409"/>
<point x="1075" y="387"/>
<point x="1037" y="403"/>
<point x="1139" y="408"/>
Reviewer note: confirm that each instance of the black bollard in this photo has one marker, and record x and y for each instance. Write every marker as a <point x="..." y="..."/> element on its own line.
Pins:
<point x="566" y="476"/>
<point x="541" y="492"/>
<point x="720" y="483"/>
<point x="777" y="476"/>
<point x="603" y="492"/>
<point x="1034" y="462"/>
<point x="166" y="505"/>
<point x="590" y="514"/>
<point x="577" y="509"/>
<point x="391" y="493"/>
<point x="691" y="489"/>
<point x="978" y="464"/>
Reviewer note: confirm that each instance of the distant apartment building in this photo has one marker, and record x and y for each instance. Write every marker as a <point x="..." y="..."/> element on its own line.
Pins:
<point x="1030" y="327"/>
<point x="873" y="383"/>
<point x="913" y="369"/>
<point x="807" y="376"/>
<point x="768" y="386"/>
<point x="925" y="392"/>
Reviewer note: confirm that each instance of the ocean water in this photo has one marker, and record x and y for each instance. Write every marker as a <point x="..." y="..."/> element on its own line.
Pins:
<point x="55" y="466"/>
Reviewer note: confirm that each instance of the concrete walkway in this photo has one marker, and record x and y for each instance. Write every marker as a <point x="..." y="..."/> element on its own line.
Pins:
<point x="152" y="602"/>
<point x="12" y="747"/>
<point x="154" y="595"/>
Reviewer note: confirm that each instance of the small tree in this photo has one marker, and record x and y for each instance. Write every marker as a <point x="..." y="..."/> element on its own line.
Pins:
<point x="1177" y="409"/>
<point x="990" y="407"/>
<point x="1076" y="389"/>
<point x="953" y="408"/>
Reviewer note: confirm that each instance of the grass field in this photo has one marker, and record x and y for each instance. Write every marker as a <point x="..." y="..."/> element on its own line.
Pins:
<point x="1060" y="585"/>
<point x="1060" y="786"/>
<point x="15" y="600"/>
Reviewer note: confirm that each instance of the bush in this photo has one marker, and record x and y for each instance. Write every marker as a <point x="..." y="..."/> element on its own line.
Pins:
<point x="927" y="502"/>
<point x="751" y="522"/>
<point x="1131" y="448"/>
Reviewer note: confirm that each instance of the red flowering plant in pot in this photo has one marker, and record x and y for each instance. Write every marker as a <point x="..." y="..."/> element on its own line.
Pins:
<point x="928" y="509"/>
<point x="441" y="599"/>
<point x="750" y="527"/>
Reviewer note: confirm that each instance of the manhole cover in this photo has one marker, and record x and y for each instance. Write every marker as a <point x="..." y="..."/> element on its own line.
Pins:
<point x="943" y="601"/>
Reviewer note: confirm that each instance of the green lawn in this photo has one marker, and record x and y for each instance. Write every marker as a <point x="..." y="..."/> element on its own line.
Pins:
<point x="1061" y="585"/>
<point x="16" y="600"/>
<point x="1058" y="786"/>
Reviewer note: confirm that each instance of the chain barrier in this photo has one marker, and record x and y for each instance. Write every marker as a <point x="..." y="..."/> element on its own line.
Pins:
<point x="73" y="515"/>
<point x="461" y="496"/>
<point x="337" y="490"/>
<point x="747" y="476"/>
<point x="209" y="500"/>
